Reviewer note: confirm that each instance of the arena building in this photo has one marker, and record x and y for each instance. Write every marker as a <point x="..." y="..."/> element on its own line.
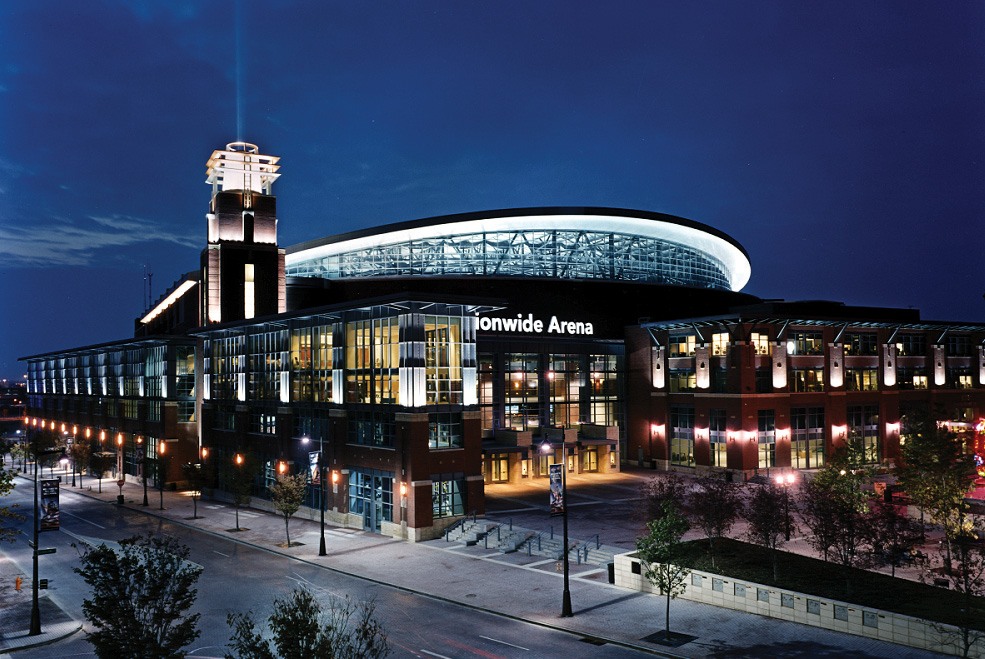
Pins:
<point x="409" y="364"/>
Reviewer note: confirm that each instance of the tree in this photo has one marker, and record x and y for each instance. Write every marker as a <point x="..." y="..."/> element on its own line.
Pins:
<point x="288" y="494"/>
<point x="7" y="513"/>
<point x="141" y="593"/>
<point x="767" y="521"/>
<point x="655" y="492"/>
<point x="893" y="532"/>
<point x="936" y="472"/>
<point x="838" y="495"/>
<point x="80" y="453"/>
<point x="100" y="463"/>
<point x="239" y="482"/>
<point x="715" y="506"/>
<point x="197" y="479"/>
<point x="301" y="629"/>
<point x="963" y="570"/>
<point x="660" y="550"/>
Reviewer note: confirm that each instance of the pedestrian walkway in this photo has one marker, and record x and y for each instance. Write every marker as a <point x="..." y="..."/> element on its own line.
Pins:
<point x="521" y="587"/>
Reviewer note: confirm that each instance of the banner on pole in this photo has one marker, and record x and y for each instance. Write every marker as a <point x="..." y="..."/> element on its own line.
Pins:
<point x="314" y="473"/>
<point x="49" y="505"/>
<point x="557" y="488"/>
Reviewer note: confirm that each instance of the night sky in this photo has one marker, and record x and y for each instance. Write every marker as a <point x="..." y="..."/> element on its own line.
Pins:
<point x="840" y="142"/>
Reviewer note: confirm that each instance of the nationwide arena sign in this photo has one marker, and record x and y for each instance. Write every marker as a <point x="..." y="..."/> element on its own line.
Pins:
<point x="531" y="325"/>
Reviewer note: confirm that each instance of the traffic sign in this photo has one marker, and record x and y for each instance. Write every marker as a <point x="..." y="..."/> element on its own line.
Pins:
<point x="42" y="584"/>
<point x="47" y="550"/>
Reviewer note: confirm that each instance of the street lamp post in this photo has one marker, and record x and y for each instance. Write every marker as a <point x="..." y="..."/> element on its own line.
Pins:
<point x="566" y="611"/>
<point x="785" y="481"/>
<point x="160" y="471"/>
<point x="35" y="608"/>
<point x="322" y="551"/>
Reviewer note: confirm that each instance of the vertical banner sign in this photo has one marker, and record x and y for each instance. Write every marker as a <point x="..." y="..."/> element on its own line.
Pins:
<point x="49" y="505"/>
<point x="557" y="489"/>
<point x="313" y="472"/>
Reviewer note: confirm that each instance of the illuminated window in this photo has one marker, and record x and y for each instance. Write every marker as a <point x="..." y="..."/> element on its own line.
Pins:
<point x="805" y="343"/>
<point x="681" y="345"/>
<point x="760" y="343"/>
<point x="861" y="379"/>
<point x="911" y="345"/>
<point x="719" y="344"/>
<point x="861" y="344"/>
<point x="682" y="436"/>
<point x="807" y="379"/>
<point x="249" y="293"/>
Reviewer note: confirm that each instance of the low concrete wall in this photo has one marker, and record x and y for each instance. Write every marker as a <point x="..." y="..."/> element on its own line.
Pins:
<point x="773" y="602"/>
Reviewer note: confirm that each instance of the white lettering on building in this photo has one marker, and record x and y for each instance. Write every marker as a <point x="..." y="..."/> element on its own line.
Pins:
<point x="530" y="325"/>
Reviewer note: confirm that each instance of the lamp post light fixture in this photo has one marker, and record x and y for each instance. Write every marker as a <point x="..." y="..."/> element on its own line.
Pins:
<point x="546" y="447"/>
<point x="161" y="448"/>
<point x="785" y="481"/>
<point x="143" y="467"/>
<point x="322" y="551"/>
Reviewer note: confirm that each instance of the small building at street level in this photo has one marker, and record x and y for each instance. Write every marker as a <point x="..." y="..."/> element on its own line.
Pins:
<point x="403" y="367"/>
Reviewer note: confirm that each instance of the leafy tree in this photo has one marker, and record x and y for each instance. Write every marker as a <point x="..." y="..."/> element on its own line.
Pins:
<point x="80" y="453"/>
<point x="301" y="629"/>
<point x="100" y="463"/>
<point x="716" y="505"/>
<point x="288" y="495"/>
<point x="816" y="511"/>
<point x="767" y="521"/>
<point x="7" y="513"/>
<point x="141" y="593"/>
<point x="239" y="482"/>
<point x="665" y="489"/>
<point x="197" y="479"/>
<point x="660" y="550"/>
<point x="839" y="493"/>
<point x="963" y="570"/>
<point x="894" y="532"/>
<point x="41" y="447"/>
<point x="936" y="472"/>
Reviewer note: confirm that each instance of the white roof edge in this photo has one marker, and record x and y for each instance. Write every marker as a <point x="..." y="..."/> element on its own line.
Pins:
<point x="738" y="265"/>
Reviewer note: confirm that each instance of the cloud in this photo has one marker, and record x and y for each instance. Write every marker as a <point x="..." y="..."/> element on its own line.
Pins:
<point x="65" y="243"/>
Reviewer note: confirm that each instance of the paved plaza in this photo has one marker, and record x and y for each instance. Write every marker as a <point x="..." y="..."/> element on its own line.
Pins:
<point x="514" y="585"/>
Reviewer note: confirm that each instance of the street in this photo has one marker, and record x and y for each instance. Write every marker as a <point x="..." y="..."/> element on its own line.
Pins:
<point x="237" y="578"/>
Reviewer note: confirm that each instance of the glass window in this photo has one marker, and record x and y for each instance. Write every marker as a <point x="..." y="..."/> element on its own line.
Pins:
<point x="958" y="345"/>
<point x="862" y="379"/>
<point x="445" y="431"/>
<point x="719" y="344"/>
<point x="861" y="343"/>
<point x="448" y="495"/>
<point x="718" y="437"/>
<point x="766" y="438"/>
<point x="911" y="345"/>
<point x="805" y="343"/>
<point x="500" y="463"/>
<point x="807" y="437"/>
<point x="682" y="436"/>
<point x="372" y="361"/>
<point x="680" y="379"/>
<point x="522" y="398"/>
<point x="760" y="343"/>
<point x="681" y="345"/>
<point x="863" y="424"/>
<point x="371" y="428"/>
<point x="443" y="359"/>
<point x="807" y="379"/>
<point x="565" y="379"/>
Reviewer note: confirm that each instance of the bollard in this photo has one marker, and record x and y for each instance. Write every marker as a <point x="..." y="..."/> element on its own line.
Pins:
<point x="17" y="584"/>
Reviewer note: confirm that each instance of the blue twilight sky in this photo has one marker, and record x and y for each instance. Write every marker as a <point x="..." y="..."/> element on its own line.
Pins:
<point x="840" y="142"/>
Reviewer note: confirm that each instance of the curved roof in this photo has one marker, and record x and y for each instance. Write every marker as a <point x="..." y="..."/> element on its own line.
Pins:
<point x="567" y="243"/>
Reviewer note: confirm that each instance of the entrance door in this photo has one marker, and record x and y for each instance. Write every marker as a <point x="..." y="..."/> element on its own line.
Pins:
<point x="371" y="495"/>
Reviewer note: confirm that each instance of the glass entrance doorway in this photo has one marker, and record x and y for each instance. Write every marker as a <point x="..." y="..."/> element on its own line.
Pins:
<point x="371" y="496"/>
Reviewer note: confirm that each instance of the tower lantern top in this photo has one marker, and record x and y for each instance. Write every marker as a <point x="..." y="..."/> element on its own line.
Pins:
<point x="241" y="166"/>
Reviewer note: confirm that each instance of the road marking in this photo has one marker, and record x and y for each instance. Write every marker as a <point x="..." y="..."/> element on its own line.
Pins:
<point x="435" y="654"/>
<point x="82" y="519"/>
<point x="496" y="640"/>
<point x="220" y="553"/>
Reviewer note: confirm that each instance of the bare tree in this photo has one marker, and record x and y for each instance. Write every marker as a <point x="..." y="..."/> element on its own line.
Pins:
<point x="239" y="482"/>
<point x="963" y="570"/>
<point x="197" y="479"/>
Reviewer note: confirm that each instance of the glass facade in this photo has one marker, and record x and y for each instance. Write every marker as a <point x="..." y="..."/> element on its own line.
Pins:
<point x="558" y="254"/>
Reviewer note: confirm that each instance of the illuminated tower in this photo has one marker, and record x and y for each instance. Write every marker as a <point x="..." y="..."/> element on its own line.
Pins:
<point x="242" y="267"/>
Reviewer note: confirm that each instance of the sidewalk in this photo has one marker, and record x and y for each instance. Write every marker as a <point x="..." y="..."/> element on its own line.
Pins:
<point x="512" y="585"/>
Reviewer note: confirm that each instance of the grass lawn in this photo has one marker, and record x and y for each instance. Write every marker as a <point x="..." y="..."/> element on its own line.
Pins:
<point x="747" y="562"/>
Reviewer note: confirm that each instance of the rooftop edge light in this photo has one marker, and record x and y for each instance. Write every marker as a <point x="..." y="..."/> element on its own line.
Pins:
<point x="650" y="247"/>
